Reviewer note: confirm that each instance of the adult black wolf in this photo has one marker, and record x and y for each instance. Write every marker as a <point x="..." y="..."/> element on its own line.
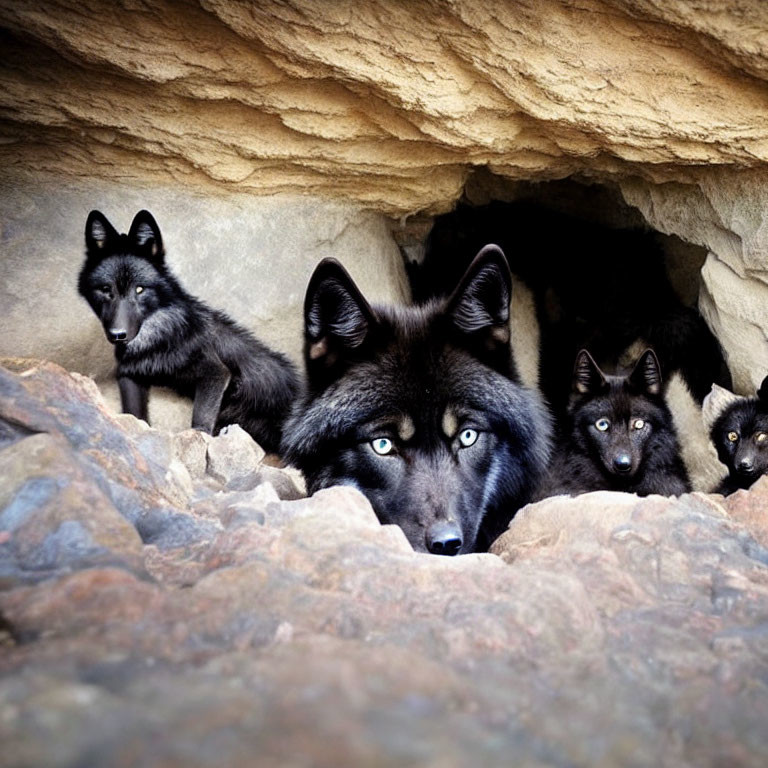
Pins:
<point x="419" y="407"/>
<point x="740" y="435"/>
<point x="619" y="434"/>
<point x="165" y="337"/>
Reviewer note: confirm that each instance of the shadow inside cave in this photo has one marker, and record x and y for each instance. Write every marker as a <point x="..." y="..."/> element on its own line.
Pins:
<point x="600" y="277"/>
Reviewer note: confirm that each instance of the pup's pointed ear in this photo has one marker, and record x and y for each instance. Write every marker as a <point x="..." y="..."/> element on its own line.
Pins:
<point x="762" y="393"/>
<point x="716" y="403"/>
<point x="481" y="300"/>
<point x="646" y="375"/>
<point x="588" y="379"/>
<point x="337" y="317"/>
<point x="145" y="234"/>
<point x="98" y="233"/>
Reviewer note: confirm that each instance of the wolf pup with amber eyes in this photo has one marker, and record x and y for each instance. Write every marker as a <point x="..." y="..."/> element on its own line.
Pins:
<point x="740" y="435"/>
<point x="419" y="407"/>
<point x="165" y="337"/>
<point x="618" y="436"/>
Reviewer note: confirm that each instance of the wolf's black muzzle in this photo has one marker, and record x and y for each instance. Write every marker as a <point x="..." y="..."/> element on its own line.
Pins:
<point x="444" y="538"/>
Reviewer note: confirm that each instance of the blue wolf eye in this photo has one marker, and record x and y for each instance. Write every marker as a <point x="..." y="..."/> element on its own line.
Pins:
<point x="468" y="437"/>
<point x="603" y="424"/>
<point x="382" y="445"/>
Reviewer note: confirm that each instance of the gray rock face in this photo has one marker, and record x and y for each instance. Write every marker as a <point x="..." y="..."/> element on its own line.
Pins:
<point x="250" y="256"/>
<point x="154" y="612"/>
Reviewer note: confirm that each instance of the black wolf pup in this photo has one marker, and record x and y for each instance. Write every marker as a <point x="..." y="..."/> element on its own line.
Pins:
<point x="619" y="434"/>
<point x="165" y="337"/>
<point x="417" y="407"/>
<point x="740" y="435"/>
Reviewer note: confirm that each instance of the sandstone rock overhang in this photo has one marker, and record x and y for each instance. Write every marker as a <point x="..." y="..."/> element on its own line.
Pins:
<point x="387" y="104"/>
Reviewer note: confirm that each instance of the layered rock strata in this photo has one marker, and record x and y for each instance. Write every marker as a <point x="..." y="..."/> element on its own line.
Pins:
<point x="372" y="102"/>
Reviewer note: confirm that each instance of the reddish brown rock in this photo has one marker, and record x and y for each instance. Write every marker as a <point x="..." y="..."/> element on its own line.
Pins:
<point x="751" y="509"/>
<point x="54" y="517"/>
<point x="607" y="629"/>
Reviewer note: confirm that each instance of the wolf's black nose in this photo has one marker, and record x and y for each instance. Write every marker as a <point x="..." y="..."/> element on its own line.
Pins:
<point x="622" y="463"/>
<point x="115" y="334"/>
<point x="443" y="538"/>
<point x="746" y="465"/>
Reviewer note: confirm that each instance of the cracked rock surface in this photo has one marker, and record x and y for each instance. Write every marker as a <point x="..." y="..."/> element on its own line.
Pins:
<point x="163" y="605"/>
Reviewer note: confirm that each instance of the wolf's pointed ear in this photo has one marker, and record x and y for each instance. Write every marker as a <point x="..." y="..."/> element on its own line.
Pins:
<point x="646" y="375"/>
<point x="716" y="403"/>
<point x="588" y="379"/>
<point x="762" y="393"/>
<point x="98" y="233"/>
<point x="145" y="234"/>
<point x="337" y="317"/>
<point x="481" y="300"/>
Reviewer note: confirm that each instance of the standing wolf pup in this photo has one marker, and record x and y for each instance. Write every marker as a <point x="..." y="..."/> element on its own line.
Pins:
<point x="419" y="408"/>
<point x="740" y="435"/>
<point x="165" y="337"/>
<point x="619" y="434"/>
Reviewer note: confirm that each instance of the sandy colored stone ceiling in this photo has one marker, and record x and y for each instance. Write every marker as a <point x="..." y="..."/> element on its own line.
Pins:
<point x="387" y="104"/>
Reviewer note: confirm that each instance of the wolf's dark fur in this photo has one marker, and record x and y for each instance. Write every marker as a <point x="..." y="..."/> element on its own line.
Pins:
<point x="619" y="435"/>
<point x="418" y="407"/>
<point x="165" y="337"/>
<point x="595" y="287"/>
<point x="740" y="435"/>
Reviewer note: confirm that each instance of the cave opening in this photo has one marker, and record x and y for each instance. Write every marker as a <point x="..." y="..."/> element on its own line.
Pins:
<point x="588" y="272"/>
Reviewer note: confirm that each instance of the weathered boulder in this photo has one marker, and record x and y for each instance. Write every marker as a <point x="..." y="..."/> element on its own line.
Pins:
<point x="55" y="516"/>
<point x="748" y="507"/>
<point x="199" y="623"/>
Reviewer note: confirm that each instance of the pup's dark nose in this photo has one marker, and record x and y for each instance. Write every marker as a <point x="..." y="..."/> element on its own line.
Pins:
<point x="443" y="538"/>
<point x="746" y="465"/>
<point x="117" y="334"/>
<point x="622" y="463"/>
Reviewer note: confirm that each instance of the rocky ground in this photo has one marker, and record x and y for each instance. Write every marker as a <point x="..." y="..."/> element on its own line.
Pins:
<point x="215" y="114"/>
<point x="173" y="600"/>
